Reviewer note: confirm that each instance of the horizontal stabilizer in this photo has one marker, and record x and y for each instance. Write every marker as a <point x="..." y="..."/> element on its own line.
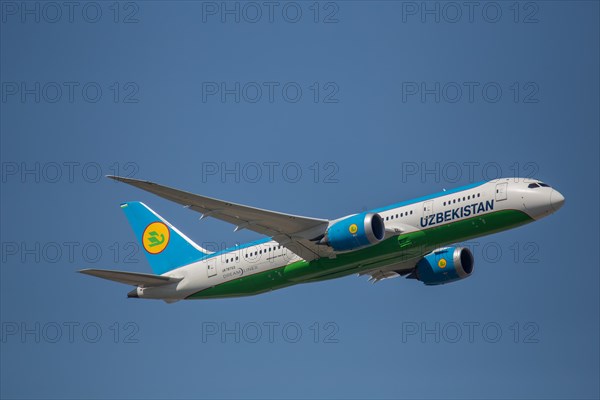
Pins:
<point x="131" y="278"/>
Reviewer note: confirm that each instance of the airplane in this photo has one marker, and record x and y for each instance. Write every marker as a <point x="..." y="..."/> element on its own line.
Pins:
<point x="413" y="239"/>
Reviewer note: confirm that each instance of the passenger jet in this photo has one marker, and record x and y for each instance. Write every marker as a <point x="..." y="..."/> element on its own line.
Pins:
<point x="412" y="238"/>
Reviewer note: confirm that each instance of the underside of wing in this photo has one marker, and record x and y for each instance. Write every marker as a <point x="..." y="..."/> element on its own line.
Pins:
<point x="389" y="272"/>
<point x="295" y="232"/>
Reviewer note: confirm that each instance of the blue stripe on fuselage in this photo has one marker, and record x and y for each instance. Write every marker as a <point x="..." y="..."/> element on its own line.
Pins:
<point x="428" y="197"/>
<point x="376" y="210"/>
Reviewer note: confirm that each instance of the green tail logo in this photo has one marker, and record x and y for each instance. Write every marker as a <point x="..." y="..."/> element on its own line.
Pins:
<point x="153" y="239"/>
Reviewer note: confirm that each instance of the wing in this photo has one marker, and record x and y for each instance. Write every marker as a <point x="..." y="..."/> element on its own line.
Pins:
<point x="295" y="232"/>
<point x="390" y="271"/>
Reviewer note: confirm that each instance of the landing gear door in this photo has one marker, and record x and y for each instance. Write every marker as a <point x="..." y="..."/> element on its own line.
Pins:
<point x="211" y="267"/>
<point x="427" y="208"/>
<point x="501" y="191"/>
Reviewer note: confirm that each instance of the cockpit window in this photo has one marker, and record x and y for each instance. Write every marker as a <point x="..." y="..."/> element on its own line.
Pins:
<point x="534" y="185"/>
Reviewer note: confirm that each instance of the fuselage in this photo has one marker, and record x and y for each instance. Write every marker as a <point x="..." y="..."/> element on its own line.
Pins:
<point x="413" y="228"/>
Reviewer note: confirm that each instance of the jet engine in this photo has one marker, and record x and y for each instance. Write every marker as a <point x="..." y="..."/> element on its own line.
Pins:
<point x="355" y="232"/>
<point x="444" y="265"/>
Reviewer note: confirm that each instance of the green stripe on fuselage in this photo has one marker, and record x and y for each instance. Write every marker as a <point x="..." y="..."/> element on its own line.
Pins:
<point x="393" y="250"/>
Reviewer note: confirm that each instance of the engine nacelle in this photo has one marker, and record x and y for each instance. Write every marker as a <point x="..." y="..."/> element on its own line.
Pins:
<point x="360" y="230"/>
<point x="445" y="265"/>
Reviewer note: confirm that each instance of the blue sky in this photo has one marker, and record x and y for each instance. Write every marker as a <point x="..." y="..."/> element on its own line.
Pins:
<point x="319" y="109"/>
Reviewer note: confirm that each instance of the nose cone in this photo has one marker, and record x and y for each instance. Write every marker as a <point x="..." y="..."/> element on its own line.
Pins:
<point x="556" y="200"/>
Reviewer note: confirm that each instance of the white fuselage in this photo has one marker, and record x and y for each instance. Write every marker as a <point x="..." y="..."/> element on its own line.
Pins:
<point x="422" y="213"/>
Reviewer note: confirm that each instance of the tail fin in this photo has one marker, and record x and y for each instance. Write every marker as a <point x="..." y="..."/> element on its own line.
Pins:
<point x="164" y="245"/>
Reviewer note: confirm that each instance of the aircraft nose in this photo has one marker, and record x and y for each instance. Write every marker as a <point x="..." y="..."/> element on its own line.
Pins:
<point x="556" y="200"/>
